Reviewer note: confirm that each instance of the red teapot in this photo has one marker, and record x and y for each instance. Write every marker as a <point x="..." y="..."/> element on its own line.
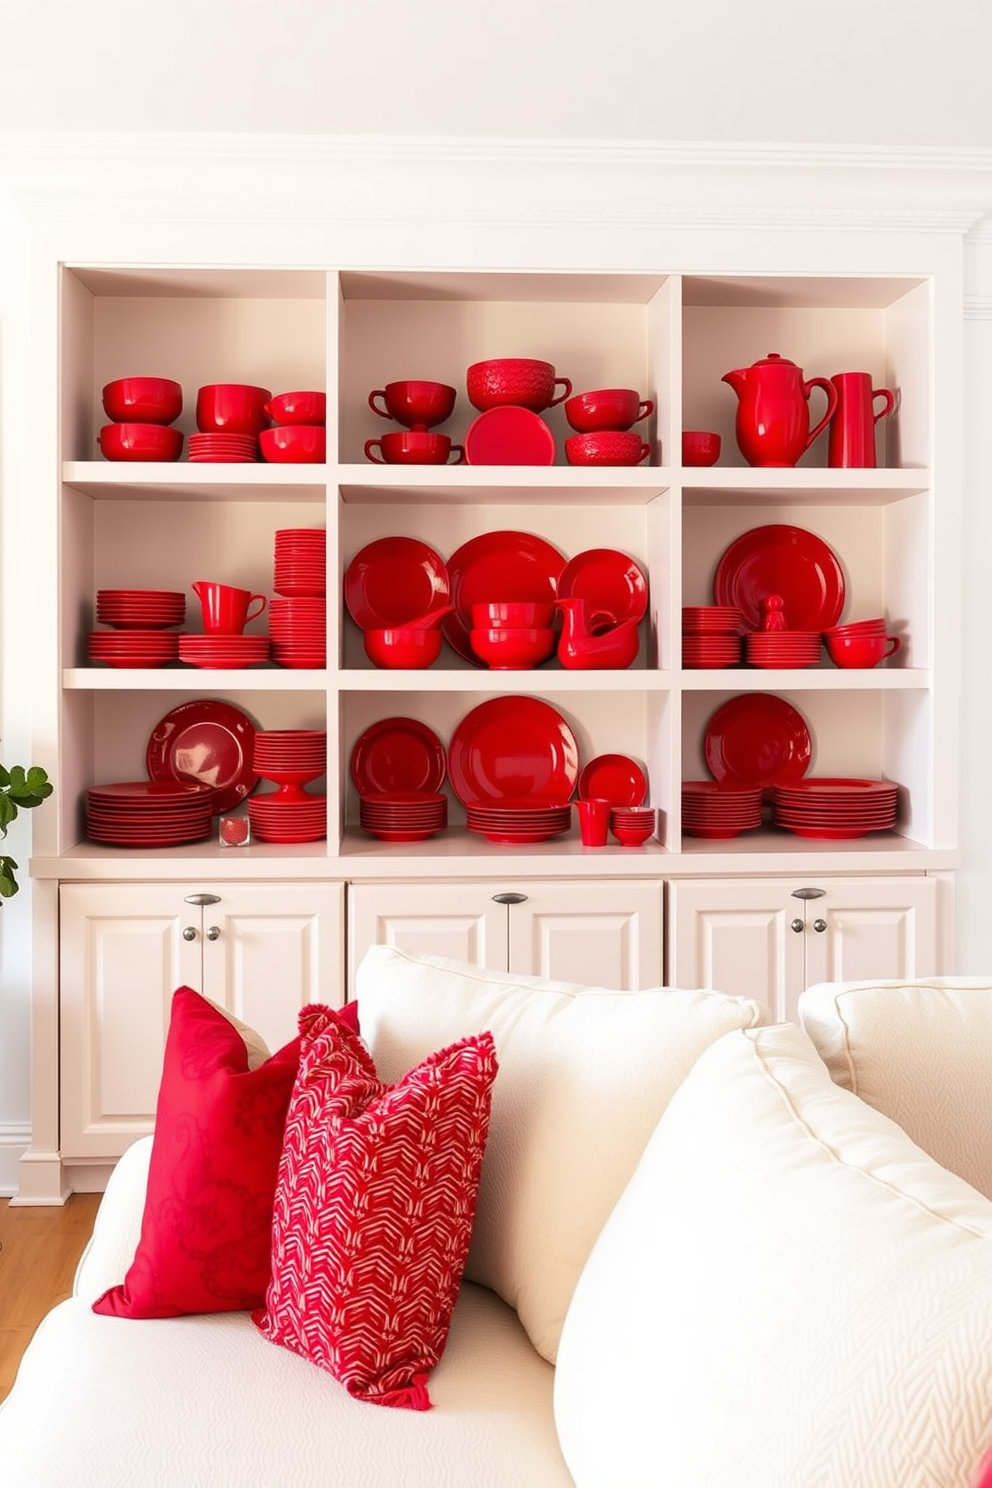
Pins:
<point x="773" y="410"/>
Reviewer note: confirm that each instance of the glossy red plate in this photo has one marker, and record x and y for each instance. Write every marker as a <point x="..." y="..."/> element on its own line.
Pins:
<point x="209" y="741"/>
<point x="397" y="754"/>
<point x="503" y="565"/>
<point x="784" y="560"/>
<point x="613" y="778"/>
<point x="509" y="435"/>
<point x="611" y="582"/>
<point x="393" y="580"/>
<point x="757" y="739"/>
<point x="513" y="747"/>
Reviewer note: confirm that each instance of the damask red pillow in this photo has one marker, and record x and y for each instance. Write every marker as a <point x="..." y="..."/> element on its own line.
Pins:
<point x="374" y="1207"/>
<point x="205" y="1240"/>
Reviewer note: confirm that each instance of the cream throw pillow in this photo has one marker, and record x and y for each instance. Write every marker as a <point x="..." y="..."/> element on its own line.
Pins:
<point x="789" y="1294"/>
<point x="584" y="1074"/>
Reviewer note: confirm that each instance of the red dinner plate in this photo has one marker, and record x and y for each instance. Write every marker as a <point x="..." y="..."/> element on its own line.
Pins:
<point x="209" y="741"/>
<point x="393" y="580"/>
<point x="498" y="566"/>
<point x="784" y="560"/>
<point x="757" y="739"/>
<point x="613" y="778"/>
<point x="397" y="754"/>
<point x="513" y="747"/>
<point x="509" y="435"/>
<point x="611" y="582"/>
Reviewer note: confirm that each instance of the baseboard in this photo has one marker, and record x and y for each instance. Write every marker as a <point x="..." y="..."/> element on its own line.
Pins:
<point x="15" y="1139"/>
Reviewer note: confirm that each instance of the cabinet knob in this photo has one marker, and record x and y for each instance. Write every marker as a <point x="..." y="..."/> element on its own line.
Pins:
<point x="798" y="925"/>
<point x="509" y="898"/>
<point x="819" y="926"/>
<point x="213" y="933"/>
<point x="189" y="933"/>
<point x="808" y="893"/>
<point x="201" y="899"/>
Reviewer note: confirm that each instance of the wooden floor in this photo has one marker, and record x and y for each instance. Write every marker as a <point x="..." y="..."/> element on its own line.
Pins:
<point x="39" y="1248"/>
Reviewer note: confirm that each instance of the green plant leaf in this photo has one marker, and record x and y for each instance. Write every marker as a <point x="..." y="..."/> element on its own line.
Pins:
<point x="8" y="813"/>
<point x="8" y="883"/>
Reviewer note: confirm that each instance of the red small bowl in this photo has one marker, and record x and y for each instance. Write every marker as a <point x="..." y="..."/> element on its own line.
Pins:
<point x="140" y="442"/>
<point x="414" y="447"/>
<point x="402" y="646"/>
<point x="143" y="400"/>
<point x="416" y="404"/>
<point x="521" y="381"/>
<point x="294" y="444"/>
<point x="512" y="646"/>
<point x="607" y="447"/>
<point x="700" y="447"/>
<point x="231" y="408"/>
<point x="607" y="408"/>
<point x="298" y="408"/>
<point x="514" y="614"/>
<point x="632" y="836"/>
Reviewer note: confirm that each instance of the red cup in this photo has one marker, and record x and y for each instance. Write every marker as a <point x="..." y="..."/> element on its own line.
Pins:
<point x="294" y="444"/>
<point x="851" y="441"/>
<point x="521" y="381"/>
<point x="298" y="408"/>
<point x="414" y="403"/>
<point x="607" y="447"/>
<point x="594" y="821"/>
<point x="231" y="408"/>
<point x="607" y="408"/>
<point x="143" y="400"/>
<point x="226" y="610"/>
<point x="861" y="650"/>
<point x="414" y="447"/>
<point x="700" y="447"/>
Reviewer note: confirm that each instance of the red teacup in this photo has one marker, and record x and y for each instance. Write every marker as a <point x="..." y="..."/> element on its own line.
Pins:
<point x="861" y="650"/>
<point x="700" y="447"/>
<point x="607" y="447"/>
<point x="413" y="447"/>
<point x="294" y="444"/>
<point x="226" y="609"/>
<point x="298" y="408"/>
<point x="414" y="403"/>
<point x="521" y="381"/>
<point x="231" y="408"/>
<point x="607" y="408"/>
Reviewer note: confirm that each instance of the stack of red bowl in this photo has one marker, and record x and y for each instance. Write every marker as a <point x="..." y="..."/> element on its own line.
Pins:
<point x="633" y="825"/>
<point x="298" y="629"/>
<point x="711" y="635"/>
<point x="530" y="819"/>
<point x="512" y="633"/>
<point x="860" y="643"/>
<point x="149" y="813"/>
<point x="141" y="410"/>
<point x="299" y="435"/>
<point x="229" y="417"/>
<point x="403" y="816"/>
<point x="291" y="758"/>
<point x="603" y="420"/>
<point x="712" y="809"/>
<point x="419" y="406"/>
<point x="301" y="562"/>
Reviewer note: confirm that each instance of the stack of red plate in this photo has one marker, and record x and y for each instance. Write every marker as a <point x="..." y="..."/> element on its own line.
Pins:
<point x="149" y="813"/>
<point x="133" y="648"/>
<point x="509" y="820"/>
<point x="274" y="819"/>
<point x="290" y="757"/>
<point x="226" y="651"/>
<point x="711" y="635"/>
<point x="712" y="809"/>
<point x="403" y="816"/>
<point x="298" y="627"/>
<point x="140" y="609"/>
<point x="301" y="562"/>
<point x="782" y="648"/>
<point x="223" y="449"/>
<point x="835" y="807"/>
<point x="712" y="620"/>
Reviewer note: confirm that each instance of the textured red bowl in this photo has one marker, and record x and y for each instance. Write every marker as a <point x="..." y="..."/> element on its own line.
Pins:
<point x="140" y="442"/>
<point x="511" y="646"/>
<point x="294" y="444"/>
<point x="143" y="400"/>
<point x="298" y="408"/>
<point x="402" y="646"/>
<point x="607" y="408"/>
<point x="521" y="381"/>
<point x="607" y="447"/>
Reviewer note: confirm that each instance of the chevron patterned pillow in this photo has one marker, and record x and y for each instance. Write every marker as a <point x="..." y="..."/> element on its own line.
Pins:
<point x="374" y="1206"/>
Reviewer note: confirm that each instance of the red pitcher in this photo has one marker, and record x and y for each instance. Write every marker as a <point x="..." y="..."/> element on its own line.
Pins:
<point x="852" y="433"/>
<point x="773" y="412"/>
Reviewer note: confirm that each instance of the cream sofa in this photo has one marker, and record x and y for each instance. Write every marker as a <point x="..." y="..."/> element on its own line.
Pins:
<point x="697" y="1260"/>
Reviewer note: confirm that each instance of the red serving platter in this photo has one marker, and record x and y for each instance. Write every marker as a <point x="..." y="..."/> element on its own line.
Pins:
<point x="509" y="435"/>
<point x="757" y="739"/>
<point x="397" y="754"/>
<point x="393" y="580"/>
<point x="613" y="778"/>
<point x="517" y="747"/>
<point x="784" y="560"/>
<point x="498" y="566"/>
<point x="207" y="741"/>
<point x="612" y="583"/>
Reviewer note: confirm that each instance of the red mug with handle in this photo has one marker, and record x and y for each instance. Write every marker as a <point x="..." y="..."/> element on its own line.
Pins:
<point x="226" y="610"/>
<point x="852" y="428"/>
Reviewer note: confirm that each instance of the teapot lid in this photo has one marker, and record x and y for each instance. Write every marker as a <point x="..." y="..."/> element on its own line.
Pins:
<point x="774" y="360"/>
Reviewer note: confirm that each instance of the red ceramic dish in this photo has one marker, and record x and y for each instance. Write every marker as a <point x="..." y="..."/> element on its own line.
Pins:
<point x="403" y="647"/>
<point x="413" y="402"/>
<point x="509" y="436"/>
<point x="397" y="754"/>
<point x="614" y="778"/>
<point x="783" y="560"/>
<point x="143" y="400"/>
<point x="607" y="408"/>
<point x="294" y="444"/>
<point x="298" y="408"/>
<point x="757" y="739"/>
<point x="612" y="583"/>
<point x="140" y="442"/>
<point x="700" y="447"/>
<point x="608" y="447"/>
<point x="394" y="580"/>
<point x="231" y="408"/>
<point x="521" y="381"/>
<point x="513" y="746"/>
<point x="509" y="646"/>
<point x="518" y="614"/>
<point x="413" y="447"/>
<point x="498" y="567"/>
<point x="208" y="741"/>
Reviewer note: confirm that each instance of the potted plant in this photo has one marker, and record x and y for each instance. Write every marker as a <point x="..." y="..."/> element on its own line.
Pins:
<point x="20" y="790"/>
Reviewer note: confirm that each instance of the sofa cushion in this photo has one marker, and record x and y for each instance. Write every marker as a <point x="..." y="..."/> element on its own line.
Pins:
<point x="584" y="1075"/>
<point x="373" y="1211"/>
<point x="919" y="1052"/>
<point x="788" y="1292"/>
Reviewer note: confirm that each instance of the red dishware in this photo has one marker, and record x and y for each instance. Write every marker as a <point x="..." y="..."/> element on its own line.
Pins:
<point x="505" y="647"/>
<point x="414" y="402"/>
<point x="139" y="441"/>
<point x="787" y="561"/>
<point x="303" y="407"/>
<point x="403" y="646"/>
<point x="700" y="447"/>
<point x="614" y="777"/>
<point x="612" y="584"/>
<point x="294" y="444"/>
<point x="584" y="644"/>
<point x="522" y="614"/>
<point x="594" y="820"/>
<point x="232" y="449"/>
<point x="223" y="651"/>
<point x="509" y="436"/>
<point x="699" y="651"/>
<point x="863" y="650"/>
<point x="773" y="419"/>
<point x="630" y="834"/>
<point x="133" y="647"/>
<point x="226" y="608"/>
<point x="231" y="408"/>
<point x="397" y="754"/>
<point x="151" y="609"/>
<point x="205" y="741"/>
<point x="392" y="581"/>
<point x="143" y="400"/>
<point x="875" y="626"/>
<point x="607" y="408"/>
<point x="757" y="739"/>
<point x="852" y="428"/>
<point x="498" y="566"/>
<point x="718" y="810"/>
<point x="783" y="648"/>
<point x="513" y="747"/>
<point x="522" y="381"/>
<point x="711" y="620"/>
<point x="413" y="447"/>
<point x="607" y="447"/>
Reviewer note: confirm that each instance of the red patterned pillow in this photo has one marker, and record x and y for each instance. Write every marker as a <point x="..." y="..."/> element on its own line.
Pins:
<point x="205" y="1242"/>
<point x="374" y="1208"/>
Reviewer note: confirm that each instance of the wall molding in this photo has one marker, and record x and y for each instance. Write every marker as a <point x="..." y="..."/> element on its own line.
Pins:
<point x="15" y="1139"/>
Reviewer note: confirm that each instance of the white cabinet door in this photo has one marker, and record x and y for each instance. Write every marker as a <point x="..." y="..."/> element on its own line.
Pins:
<point x="461" y="920"/>
<point x="603" y="932"/>
<point x="872" y="927"/>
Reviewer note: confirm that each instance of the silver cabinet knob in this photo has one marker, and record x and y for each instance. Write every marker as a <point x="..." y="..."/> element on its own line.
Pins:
<point x="799" y="926"/>
<point x="509" y="898"/>
<point x="213" y="933"/>
<point x="189" y="933"/>
<point x="819" y="926"/>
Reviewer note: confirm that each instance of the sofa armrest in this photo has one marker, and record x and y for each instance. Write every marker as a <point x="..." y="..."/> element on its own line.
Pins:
<point x="111" y="1247"/>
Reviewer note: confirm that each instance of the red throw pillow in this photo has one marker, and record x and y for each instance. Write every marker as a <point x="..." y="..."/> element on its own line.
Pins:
<point x="374" y="1208"/>
<point x="205" y="1241"/>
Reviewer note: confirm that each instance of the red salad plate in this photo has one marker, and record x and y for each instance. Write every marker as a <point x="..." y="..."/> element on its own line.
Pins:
<point x="784" y="560"/>
<point x="397" y="754"/>
<point x="513" y="747"/>
<point x="613" y="778"/>
<point x="612" y="584"/>
<point x="757" y="739"/>
<point x="498" y="566"/>
<point x="393" y="580"/>
<point x="509" y="435"/>
<point x="207" y="741"/>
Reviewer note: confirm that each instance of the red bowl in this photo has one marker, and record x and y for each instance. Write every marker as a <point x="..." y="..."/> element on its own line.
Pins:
<point x="231" y="408"/>
<point x="632" y="836"/>
<point x="298" y="408"/>
<point x="140" y="442"/>
<point x="512" y="646"/>
<point x="520" y="381"/>
<point x="294" y="444"/>
<point x="413" y="447"/>
<point x="143" y="400"/>
<point x="414" y="403"/>
<point x="402" y="646"/>
<point x="607" y="408"/>
<point x="516" y="614"/>
<point x="607" y="447"/>
<point x="700" y="447"/>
